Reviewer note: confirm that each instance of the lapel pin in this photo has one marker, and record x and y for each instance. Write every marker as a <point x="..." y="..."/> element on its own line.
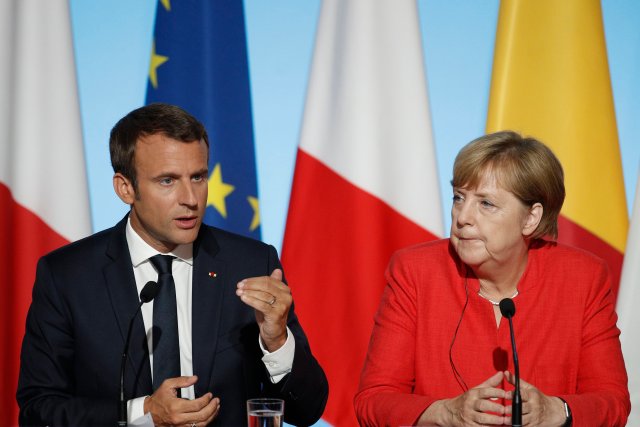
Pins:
<point x="213" y="274"/>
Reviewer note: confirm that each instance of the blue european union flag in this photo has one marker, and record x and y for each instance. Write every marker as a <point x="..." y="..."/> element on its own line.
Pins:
<point x="199" y="62"/>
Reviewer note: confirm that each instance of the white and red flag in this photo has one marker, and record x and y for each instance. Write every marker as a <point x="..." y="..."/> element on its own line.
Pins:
<point x="628" y="314"/>
<point x="43" y="187"/>
<point x="365" y="181"/>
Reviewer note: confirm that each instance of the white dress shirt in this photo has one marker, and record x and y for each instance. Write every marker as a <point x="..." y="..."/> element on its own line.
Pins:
<point x="278" y="363"/>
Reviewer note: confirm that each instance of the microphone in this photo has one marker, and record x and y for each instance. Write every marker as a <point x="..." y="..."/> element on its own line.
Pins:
<point x="148" y="293"/>
<point x="508" y="310"/>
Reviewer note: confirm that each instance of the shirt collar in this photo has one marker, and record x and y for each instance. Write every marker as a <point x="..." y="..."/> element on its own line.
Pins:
<point x="141" y="251"/>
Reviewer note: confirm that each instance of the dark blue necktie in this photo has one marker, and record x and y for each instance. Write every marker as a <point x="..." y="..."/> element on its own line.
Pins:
<point x="166" y="344"/>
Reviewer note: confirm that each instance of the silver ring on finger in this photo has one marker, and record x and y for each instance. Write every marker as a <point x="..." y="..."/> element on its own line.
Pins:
<point x="273" y="300"/>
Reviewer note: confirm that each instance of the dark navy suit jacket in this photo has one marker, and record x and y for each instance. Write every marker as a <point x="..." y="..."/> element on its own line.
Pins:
<point x="83" y="299"/>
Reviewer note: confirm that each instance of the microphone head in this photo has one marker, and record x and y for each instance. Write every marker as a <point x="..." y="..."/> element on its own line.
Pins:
<point x="507" y="308"/>
<point x="149" y="291"/>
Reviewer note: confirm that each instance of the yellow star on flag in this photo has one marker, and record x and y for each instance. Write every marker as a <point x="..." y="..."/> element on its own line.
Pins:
<point x="156" y="61"/>
<point x="255" y="205"/>
<point x="218" y="191"/>
<point x="166" y="4"/>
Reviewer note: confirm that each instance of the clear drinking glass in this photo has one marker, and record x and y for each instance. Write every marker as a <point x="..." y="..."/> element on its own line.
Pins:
<point x="264" y="412"/>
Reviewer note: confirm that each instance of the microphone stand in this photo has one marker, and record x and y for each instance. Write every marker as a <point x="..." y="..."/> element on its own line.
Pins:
<point x="148" y="293"/>
<point x="516" y="402"/>
<point x="508" y="310"/>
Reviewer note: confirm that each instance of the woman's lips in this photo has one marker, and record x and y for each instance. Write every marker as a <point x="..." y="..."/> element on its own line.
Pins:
<point x="468" y="240"/>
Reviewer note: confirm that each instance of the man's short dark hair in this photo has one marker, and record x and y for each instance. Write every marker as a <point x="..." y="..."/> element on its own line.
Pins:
<point x="158" y="118"/>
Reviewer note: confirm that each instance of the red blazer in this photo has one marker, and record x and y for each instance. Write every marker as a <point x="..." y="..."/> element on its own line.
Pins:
<point x="565" y="327"/>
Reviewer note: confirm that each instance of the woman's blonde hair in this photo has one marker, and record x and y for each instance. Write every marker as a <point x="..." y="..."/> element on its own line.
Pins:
<point x="524" y="166"/>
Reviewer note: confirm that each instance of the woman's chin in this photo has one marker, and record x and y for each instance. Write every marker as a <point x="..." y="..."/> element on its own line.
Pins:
<point x="472" y="258"/>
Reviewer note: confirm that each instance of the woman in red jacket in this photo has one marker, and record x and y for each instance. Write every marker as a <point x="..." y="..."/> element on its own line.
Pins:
<point x="440" y="352"/>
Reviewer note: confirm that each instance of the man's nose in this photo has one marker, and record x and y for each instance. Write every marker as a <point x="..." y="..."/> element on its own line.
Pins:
<point x="188" y="195"/>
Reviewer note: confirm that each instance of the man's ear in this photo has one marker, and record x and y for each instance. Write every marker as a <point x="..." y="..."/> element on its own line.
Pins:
<point x="124" y="188"/>
<point x="534" y="216"/>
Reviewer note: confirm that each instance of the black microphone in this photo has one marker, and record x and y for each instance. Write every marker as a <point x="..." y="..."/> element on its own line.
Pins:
<point x="148" y="293"/>
<point x="508" y="310"/>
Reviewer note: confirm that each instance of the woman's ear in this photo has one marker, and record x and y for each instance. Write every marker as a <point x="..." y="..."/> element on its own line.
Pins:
<point x="532" y="220"/>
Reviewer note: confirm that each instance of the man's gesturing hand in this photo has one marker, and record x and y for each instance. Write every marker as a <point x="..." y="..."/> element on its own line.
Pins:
<point x="271" y="299"/>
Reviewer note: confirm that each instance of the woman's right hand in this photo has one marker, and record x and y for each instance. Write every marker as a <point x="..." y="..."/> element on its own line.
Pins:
<point x="472" y="408"/>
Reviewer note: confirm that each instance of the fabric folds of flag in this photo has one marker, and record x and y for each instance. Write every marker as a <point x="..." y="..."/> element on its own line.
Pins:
<point x="628" y="314"/>
<point x="199" y="62"/>
<point x="44" y="200"/>
<point x="365" y="181"/>
<point x="551" y="81"/>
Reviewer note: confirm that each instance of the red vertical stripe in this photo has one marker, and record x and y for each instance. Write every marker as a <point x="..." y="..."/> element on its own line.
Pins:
<point x="337" y="243"/>
<point x="25" y="238"/>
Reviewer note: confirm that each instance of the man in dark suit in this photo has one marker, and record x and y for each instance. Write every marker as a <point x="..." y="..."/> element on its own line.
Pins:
<point x="239" y="337"/>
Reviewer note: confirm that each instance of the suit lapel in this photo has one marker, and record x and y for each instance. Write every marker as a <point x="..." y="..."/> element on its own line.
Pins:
<point x="207" y="303"/>
<point x="208" y="283"/>
<point x="122" y="290"/>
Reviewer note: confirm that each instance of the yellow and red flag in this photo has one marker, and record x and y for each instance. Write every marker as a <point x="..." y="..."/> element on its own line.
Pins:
<point x="551" y="81"/>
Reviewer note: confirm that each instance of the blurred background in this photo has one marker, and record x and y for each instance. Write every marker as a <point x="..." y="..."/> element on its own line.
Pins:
<point x="113" y="43"/>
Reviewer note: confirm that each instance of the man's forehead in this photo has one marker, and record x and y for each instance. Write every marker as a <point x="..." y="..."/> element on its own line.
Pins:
<point x="151" y="138"/>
